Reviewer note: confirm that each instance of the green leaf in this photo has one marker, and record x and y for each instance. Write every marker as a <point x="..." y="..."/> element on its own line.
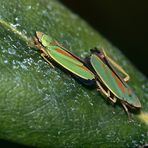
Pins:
<point x="45" y="107"/>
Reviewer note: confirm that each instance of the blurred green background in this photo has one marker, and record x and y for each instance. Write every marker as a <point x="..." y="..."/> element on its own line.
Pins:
<point x="124" y="23"/>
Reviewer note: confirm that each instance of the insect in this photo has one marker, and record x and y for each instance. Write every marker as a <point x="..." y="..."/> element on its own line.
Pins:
<point x="51" y="50"/>
<point x="110" y="83"/>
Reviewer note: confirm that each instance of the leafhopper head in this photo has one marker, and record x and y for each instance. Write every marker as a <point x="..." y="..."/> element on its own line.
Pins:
<point x="44" y="39"/>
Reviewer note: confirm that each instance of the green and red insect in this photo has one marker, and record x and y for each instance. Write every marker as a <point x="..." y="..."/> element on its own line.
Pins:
<point x="110" y="83"/>
<point x="51" y="50"/>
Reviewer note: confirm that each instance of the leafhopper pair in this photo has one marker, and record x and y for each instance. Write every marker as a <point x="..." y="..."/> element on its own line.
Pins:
<point x="99" y="68"/>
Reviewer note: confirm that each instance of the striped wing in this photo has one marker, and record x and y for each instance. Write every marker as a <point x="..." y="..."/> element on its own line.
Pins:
<point x="70" y="62"/>
<point x="113" y="83"/>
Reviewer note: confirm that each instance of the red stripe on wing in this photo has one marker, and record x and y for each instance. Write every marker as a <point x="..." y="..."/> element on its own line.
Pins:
<point x="115" y="78"/>
<point x="118" y="82"/>
<point x="65" y="54"/>
<point x="70" y="56"/>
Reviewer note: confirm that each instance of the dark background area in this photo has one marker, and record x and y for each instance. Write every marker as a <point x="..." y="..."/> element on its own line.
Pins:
<point x="123" y="23"/>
